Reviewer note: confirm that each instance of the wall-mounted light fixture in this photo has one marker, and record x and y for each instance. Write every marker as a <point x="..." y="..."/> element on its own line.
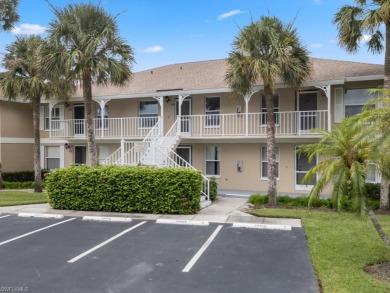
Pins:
<point x="167" y="99"/>
<point x="67" y="146"/>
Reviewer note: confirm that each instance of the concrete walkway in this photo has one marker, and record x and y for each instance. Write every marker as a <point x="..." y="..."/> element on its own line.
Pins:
<point x="223" y="210"/>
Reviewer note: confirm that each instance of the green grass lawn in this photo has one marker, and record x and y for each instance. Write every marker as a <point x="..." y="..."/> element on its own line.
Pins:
<point x="341" y="245"/>
<point x="10" y="198"/>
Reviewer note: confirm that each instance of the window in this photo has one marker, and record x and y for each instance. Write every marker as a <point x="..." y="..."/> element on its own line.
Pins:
<point x="354" y="100"/>
<point x="213" y="160"/>
<point x="264" y="162"/>
<point x="264" y="109"/>
<point x="52" y="157"/>
<point x="373" y="175"/>
<point x="55" y="116"/>
<point x="302" y="167"/>
<point x="99" y="117"/>
<point x="213" y="110"/>
<point x="148" y="112"/>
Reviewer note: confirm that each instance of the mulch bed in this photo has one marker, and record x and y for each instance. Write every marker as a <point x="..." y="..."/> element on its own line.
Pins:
<point x="379" y="271"/>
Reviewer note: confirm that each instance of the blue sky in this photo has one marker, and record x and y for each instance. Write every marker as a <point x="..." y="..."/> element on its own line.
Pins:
<point x="163" y="32"/>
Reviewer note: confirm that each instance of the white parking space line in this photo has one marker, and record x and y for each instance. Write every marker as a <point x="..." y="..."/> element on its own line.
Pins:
<point x="5" y="216"/>
<point x="104" y="243"/>
<point x="36" y="231"/>
<point x="191" y="263"/>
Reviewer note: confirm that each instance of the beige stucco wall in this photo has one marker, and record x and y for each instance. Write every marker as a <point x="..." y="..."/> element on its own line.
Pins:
<point x="17" y="157"/>
<point x="16" y="120"/>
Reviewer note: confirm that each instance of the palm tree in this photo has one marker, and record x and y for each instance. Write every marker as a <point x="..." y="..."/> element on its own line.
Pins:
<point x="347" y="153"/>
<point x="267" y="50"/>
<point x="345" y="156"/>
<point x="365" y="21"/>
<point x="26" y="78"/>
<point x="85" y="39"/>
<point x="8" y="14"/>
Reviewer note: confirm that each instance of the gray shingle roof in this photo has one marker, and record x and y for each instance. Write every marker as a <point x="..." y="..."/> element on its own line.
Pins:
<point x="210" y="75"/>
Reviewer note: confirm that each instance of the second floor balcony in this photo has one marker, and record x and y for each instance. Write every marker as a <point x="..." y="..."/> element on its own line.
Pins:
<point x="292" y="123"/>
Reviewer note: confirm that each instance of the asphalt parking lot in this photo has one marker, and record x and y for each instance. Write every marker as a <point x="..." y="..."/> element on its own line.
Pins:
<point x="75" y="255"/>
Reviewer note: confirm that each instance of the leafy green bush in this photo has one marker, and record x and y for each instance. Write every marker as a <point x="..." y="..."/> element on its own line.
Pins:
<point x="18" y="185"/>
<point x="125" y="189"/>
<point x="213" y="188"/>
<point x="22" y="176"/>
<point x="258" y="199"/>
<point x="373" y="190"/>
<point x="303" y="201"/>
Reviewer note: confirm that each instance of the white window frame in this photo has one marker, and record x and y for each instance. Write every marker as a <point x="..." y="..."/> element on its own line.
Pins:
<point x="218" y="160"/>
<point x="300" y="187"/>
<point x="215" y="115"/>
<point x="377" y="174"/>
<point x="46" y="116"/>
<point x="359" y="105"/>
<point x="47" y="157"/>
<point x="153" y="115"/>
<point x="263" y="150"/>
<point x="263" y="110"/>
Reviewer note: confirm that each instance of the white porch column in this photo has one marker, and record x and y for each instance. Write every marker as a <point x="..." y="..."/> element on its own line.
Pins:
<point x="181" y="100"/>
<point x="102" y="105"/>
<point x="122" y="151"/>
<point x="160" y="100"/>
<point x="326" y="90"/>
<point x="247" y="98"/>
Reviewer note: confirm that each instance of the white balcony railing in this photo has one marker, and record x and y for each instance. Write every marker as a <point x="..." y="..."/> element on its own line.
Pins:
<point x="287" y="123"/>
<point x="215" y="125"/>
<point x="137" y="127"/>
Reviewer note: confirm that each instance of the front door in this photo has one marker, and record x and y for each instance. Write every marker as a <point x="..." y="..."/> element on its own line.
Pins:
<point x="307" y="115"/>
<point x="185" y="153"/>
<point x="80" y="155"/>
<point x="185" y="125"/>
<point x="79" y="120"/>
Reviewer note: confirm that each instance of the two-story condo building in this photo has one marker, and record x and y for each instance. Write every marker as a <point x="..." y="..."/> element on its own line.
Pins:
<point x="185" y="114"/>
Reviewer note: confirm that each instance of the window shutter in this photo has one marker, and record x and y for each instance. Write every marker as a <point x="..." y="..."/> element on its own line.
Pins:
<point x="42" y="157"/>
<point x="62" y="156"/>
<point x="42" y="118"/>
<point x="338" y="104"/>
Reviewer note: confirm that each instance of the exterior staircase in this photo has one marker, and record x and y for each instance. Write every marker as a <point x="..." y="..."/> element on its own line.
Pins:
<point x="157" y="150"/>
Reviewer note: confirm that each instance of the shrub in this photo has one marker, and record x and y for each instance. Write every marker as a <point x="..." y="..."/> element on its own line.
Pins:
<point x="213" y="188"/>
<point x="18" y="185"/>
<point x="303" y="201"/>
<point x="22" y="176"/>
<point x="373" y="190"/>
<point x="258" y="199"/>
<point x="125" y="189"/>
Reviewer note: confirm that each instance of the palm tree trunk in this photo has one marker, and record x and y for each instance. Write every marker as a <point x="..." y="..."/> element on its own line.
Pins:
<point x="271" y="164"/>
<point x="378" y="228"/>
<point x="87" y="93"/>
<point x="37" y="145"/>
<point x="384" y="197"/>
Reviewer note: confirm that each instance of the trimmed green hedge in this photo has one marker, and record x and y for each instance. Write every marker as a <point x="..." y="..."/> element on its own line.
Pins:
<point x="18" y="185"/>
<point x="303" y="201"/>
<point x="22" y="176"/>
<point x="213" y="188"/>
<point x="125" y="189"/>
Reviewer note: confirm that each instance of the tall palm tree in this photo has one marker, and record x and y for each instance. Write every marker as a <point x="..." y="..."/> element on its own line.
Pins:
<point x="85" y="38"/>
<point x="26" y="78"/>
<point x="355" y="23"/>
<point x="265" y="51"/>
<point x="8" y="14"/>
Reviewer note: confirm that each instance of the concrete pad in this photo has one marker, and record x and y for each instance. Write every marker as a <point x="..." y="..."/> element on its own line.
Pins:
<point x="211" y="218"/>
<point x="245" y="219"/>
<point x="283" y="221"/>
<point x="177" y="217"/>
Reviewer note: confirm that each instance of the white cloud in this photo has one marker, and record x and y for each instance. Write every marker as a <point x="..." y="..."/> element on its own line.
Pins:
<point x="365" y="38"/>
<point x="154" y="49"/>
<point x="28" y="29"/>
<point x="229" y="14"/>
<point x="316" y="46"/>
<point x="318" y="2"/>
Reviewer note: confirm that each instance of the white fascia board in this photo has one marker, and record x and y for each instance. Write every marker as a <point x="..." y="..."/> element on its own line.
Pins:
<point x="365" y="78"/>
